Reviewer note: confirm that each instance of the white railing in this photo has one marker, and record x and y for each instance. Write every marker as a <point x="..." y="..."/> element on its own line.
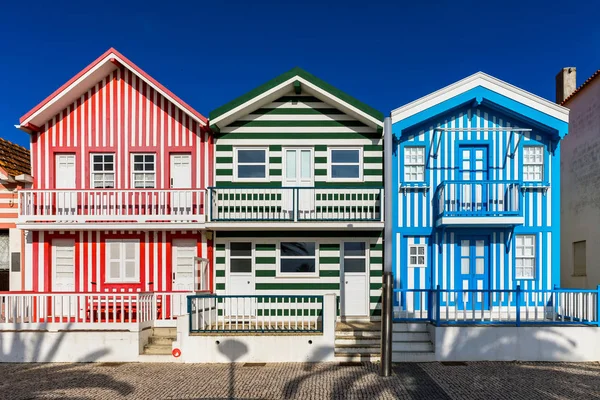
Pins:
<point x="212" y="313"/>
<point x="296" y="204"/>
<point x="110" y="205"/>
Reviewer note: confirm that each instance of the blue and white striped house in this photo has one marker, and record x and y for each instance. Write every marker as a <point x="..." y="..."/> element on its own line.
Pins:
<point x="477" y="169"/>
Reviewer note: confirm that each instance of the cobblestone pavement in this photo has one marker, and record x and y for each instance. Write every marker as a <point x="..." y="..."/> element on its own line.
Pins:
<point x="485" y="380"/>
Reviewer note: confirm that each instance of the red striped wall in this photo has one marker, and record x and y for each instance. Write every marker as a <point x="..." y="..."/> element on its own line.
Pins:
<point x="9" y="205"/>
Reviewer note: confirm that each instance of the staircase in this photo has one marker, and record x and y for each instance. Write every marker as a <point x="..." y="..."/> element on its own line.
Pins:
<point x="161" y="341"/>
<point x="411" y="343"/>
<point x="357" y="341"/>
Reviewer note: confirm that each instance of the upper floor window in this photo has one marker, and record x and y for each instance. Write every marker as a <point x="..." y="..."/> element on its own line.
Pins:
<point x="345" y="164"/>
<point x="525" y="257"/>
<point x="143" y="171"/>
<point x="417" y="255"/>
<point x="414" y="164"/>
<point x="103" y="171"/>
<point x="533" y="163"/>
<point x="250" y="163"/>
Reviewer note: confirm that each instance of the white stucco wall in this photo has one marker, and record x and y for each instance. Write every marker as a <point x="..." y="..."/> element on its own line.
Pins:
<point x="580" y="187"/>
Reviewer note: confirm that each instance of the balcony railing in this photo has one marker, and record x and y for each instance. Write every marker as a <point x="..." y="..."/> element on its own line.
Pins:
<point x="112" y="205"/>
<point x="478" y="199"/>
<point x="296" y="204"/>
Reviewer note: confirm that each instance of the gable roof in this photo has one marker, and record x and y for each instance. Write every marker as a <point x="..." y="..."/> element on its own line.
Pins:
<point x="485" y="81"/>
<point x="90" y="75"/>
<point x="582" y="86"/>
<point x="283" y="84"/>
<point x="14" y="159"/>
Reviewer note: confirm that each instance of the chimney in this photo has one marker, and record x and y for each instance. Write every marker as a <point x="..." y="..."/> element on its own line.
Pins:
<point x="565" y="83"/>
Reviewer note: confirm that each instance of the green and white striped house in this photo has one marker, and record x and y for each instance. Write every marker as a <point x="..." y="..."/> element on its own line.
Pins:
<point x="297" y="207"/>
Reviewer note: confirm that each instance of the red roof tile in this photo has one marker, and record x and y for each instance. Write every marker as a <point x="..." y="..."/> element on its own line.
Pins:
<point x="14" y="159"/>
<point x="584" y="84"/>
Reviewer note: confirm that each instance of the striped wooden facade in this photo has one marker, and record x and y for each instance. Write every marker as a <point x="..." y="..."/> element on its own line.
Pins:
<point x="8" y="205"/>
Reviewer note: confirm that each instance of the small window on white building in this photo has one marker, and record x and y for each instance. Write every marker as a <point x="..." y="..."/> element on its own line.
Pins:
<point x="414" y="164"/>
<point x="533" y="163"/>
<point x="240" y="257"/>
<point x="143" y="171"/>
<point x="103" y="171"/>
<point x="298" y="258"/>
<point x="579" y="258"/>
<point x="122" y="260"/>
<point x="345" y="164"/>
<point x="417" y="255"/>
<point x="250" y="164"/>
<point x="525" y="257"/>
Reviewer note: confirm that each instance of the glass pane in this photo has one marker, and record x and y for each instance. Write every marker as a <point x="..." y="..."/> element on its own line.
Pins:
<point x="97" y="167"/>
<point x="149" y="158"/>
<point x="479" y="248"/>
<point x="138" y="166"/>
<point x="298" y="265"/>
<point x="114" y="250"/>
<point x="241" y="249"/>
<point x="251" y="156"/>
<point x="290" y="164"/>
<point x="345" y="171"/>
<point x="421" y="260"/>
<point x="130" y="250"/>
<point x="115" y="270"/>
<point x="297" y="249"/>
<point x="464" y="266"/>
<point x="355" y="265"/>
<point x="412" y="250"/>
<point x="97" y="158"/>
<point x="138" y="158"/>
<point x="251" y="171"/>
<point x="306" y="166"/>
<point x="345" y="156"/>
<point x="130" y="269"/>
<point x="240" y="265"/>
<point x="479" y="266"/>
<point x="354" y="249"/>
<point x="464" y="247"/>
<point x="413" y="260"/>
<point x="421" y="250"/>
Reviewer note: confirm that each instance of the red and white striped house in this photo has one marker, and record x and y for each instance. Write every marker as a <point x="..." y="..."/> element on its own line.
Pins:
<point x="120" y="166"/>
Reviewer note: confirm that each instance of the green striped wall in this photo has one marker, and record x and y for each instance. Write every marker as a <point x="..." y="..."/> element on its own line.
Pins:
<point x="299" y="120"/>
<point x="265" y="259"/>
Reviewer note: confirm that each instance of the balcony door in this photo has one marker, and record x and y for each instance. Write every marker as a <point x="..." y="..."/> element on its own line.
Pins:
<point x="181" y="178"/>
<point x="298" y="173"/>
<point x="64" y="178"/>
<point x="63" y="277"/>
<point x="473" y="169"/>
<point x="184" y="264"/>
<point x="473" y="272"/>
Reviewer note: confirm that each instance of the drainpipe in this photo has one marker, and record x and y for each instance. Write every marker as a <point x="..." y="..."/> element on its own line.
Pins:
<point x="388" y="286"/>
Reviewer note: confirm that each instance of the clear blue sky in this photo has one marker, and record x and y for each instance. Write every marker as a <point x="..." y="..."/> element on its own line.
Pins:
<point x="209" y="52"/>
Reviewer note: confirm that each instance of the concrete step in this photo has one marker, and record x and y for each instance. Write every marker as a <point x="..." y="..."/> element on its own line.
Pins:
<point x="412" y="346"/>
<point x="413" y="356"/>
<point x="158" y="349"/>
<point x="345" y="357"/>
<point x="409" y="327"/>
<point x="353" y="341"/>
<point x="411" y="337"/>
<point x="357" y="326"/>
<point x="357" y="350"/>
<point x="169" y="331"/>
<point x="358" y="334"/>
<point x="162" y="340"/>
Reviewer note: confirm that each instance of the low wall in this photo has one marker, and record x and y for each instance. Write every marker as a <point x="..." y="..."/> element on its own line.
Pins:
<point x="260" y="347"/>
<point x="541" y="343"/>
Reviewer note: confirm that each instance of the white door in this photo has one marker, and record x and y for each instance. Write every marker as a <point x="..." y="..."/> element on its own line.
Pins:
<point x="299" y="173"/>
<point x="241" y="280"/>
<point x="354" y="296"/>
<point x="184" y="264"/>
<point x="64" y="178"/>
<point x="63" y="277"/>
<point x="181" y="178"/>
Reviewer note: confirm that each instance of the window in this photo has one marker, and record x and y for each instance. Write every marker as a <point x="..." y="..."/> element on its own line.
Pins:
<point x="4" y="250"/>
<point x="240" y="257"/>
<point x="250" y="164"/>
<point x="297" y="258"/>
<point x="525" y="257"/>
<point x="579" y="259"/>
<point x="143" y="171"/>
<point x="103" y="171"/>
<point x="417" y="255"/>
<point x="355" y="257"/>
<point x="533" y="163"/>
<point x="345" y="164"/>
<point x="122" y="259"/>
<point x="414" y="164"/>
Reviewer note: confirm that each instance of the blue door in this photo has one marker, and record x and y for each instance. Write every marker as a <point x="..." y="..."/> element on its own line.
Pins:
<point x="472" y="269"/>
<point x="473" y="168"/>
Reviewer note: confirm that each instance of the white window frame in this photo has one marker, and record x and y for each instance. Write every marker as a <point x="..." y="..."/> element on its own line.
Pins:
<point x="409" y="255"/>
<point x="280" y="274"/>
<point x="534" y="164"/>
<point x="518" y="275"/>
<point x="133" y="171"/>
<point x="407" y="164"/>
<point x="236" y="164"/>
<point x="230" y="257"/>
<point x="330" y="164"/>
<point x="121" y="279"/>
<point x="93" y="172"/>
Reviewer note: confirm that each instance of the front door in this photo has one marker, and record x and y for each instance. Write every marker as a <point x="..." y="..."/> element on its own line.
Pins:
<point x="241" y="280"/>
<point x="181" y="178"/>
<point x="473" y="168"/>
<point x="473" y="274"/>
<point x="354" y="300"/>
<point x="298" y="173"/>
<point x="184" y="263"/>
<point x="64" y="178"/>
<point x="63" y="277"/>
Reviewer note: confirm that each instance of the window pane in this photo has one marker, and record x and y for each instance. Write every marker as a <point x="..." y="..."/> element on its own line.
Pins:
<point x="305" y="165"/>
<point x="241" y="249"/>
<point x="138" y="167"/>
<point x="115" y="270"/>
<point x="354" y="249"/>
<point x="130" y="269"/>
<point x="412" y="250"/>
<point x="290" y="164"/>
<point x="297" y="249"/>
<point x="345" y="171"/>
<point x="251" y="156"/>
<point x="241" y="265"/>
<point x="464" y="266"/>
<point x="130" y="250"/>
<point x="138" y="158"/>
<point x="354" y="265"/>
<point x="345" y="156"/>
<point x="97" y="158"/>
<point x="298" y="265"/>
<point x="251" y="171"/>
<point x="114" y="251"/>
<point x="97" y="167"/>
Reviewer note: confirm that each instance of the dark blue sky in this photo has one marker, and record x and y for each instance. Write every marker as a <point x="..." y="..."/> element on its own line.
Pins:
<point x="384" y="53"/>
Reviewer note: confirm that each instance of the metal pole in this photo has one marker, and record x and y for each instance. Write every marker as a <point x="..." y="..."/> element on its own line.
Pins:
<point x="388" y="281"/>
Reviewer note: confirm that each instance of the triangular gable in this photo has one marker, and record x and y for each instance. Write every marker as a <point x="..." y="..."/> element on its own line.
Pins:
<point x="295" y="79"/>
<point x="80" y="83"/>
